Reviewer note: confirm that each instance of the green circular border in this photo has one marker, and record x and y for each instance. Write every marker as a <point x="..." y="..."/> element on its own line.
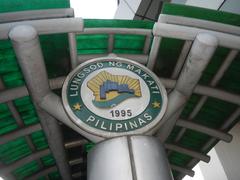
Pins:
<point x="84" y="113"/>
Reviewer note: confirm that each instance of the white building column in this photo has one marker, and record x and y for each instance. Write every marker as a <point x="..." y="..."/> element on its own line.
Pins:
<point x="129" y="158"/>
<point x="225" y="159"/>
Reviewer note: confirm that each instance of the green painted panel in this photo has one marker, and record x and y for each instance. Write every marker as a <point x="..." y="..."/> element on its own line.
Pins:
<point x="193" y="140"/>
<point x="190" y="106"/>
<point x="39" y="140"/>
<point x="9" y="69"/>
<point x="7" y="58"/>
<point x="213" y="66"/>
<point x="26" y="110"/>
<point x="48" y="160"/>
<point x="13" y="79"/>
<point x="88" y="146"/>
<point x="98" y="43"/>
<point x="4" y="111"/>
<point x="54" y="175"/>
<point x="41" y="178"/>
<point x="214" y="113"/>
<point x="94" y="23"/>
<point x="169" y="52"/>
<point x="26" y="170"/>
<point x="56" y="54"/>
<point x="175" y="173"/>
<point x="92" y="44"/>
<point x="7" y="124"/>
<point x="132" y="44"/>
<point x="179" y="159"/>
<point x="230" y="80"/>
<point x="21" y="5"/>
<point x="14" y="150"/>
<point x="173" y="134"/>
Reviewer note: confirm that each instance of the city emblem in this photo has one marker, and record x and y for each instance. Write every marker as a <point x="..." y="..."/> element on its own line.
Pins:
<point x="113" y="97"/>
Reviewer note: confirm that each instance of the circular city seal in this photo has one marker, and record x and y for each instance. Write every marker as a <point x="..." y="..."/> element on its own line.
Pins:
<point x="108" y="97"/>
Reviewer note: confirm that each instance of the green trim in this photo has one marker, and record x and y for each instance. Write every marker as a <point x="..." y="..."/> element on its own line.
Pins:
<point x="95" y="23"/>
<point x="201" y="13"/>
<point x="22" y="5"/>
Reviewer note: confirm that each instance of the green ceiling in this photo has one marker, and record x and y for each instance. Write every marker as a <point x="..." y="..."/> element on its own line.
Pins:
<point x="56" y="53"/>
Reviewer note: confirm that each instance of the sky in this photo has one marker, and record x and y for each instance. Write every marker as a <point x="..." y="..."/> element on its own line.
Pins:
<point x="94" y="9"/>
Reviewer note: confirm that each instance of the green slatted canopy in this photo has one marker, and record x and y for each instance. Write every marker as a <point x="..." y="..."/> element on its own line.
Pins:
<point x="12" y="77"/>
<point x="213" y="114"/>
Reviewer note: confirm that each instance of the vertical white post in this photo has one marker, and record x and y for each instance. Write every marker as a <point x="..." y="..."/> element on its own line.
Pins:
<point x="129" y="158"/>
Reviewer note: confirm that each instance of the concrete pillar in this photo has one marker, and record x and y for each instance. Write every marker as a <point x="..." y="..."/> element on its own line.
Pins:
<point x="129" y="158"/>
<point x="27" y="47"/>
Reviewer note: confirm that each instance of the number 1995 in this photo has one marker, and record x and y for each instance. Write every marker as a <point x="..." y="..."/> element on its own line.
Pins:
<point x="121" y="113"/>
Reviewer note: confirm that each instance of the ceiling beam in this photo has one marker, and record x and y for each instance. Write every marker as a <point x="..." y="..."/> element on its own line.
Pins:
<point x="205" y="90"/>
<point x="154" y="52"/>
<point x="174" y="167"/>
<point x="45" y="26"/>
<point x="72" y="49"/>
<point x="15" y="114"/>
<point x="189" y="33"/>
<point x="200" y="23"/>
<point x="140" y="58"/>
<point x="56" y="83"/>
<point x="36" y="14"/>
<point x="75" y="143"/>
<point x="18" y="92"/>
<point x="226" y="125"/>
<point x="76" y="161"/>
<point x="212" y="141"/>
<point x="204" y="129"/>
<point x="182" y="170"/>
<point x="188" y="152"/>
<point x="112" y="30"/>
<point x="147" y="44"/>
<point x="181" y="59"/>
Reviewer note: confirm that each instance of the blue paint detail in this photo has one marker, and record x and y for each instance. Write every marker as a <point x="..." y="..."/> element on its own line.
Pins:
<point x="113" y="86"/>
<point x="113" y="102"/>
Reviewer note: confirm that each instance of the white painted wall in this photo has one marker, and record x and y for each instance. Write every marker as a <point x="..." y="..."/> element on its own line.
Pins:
<point x="127" y="9"/>
<point x="232" y="6"/>
<point x="225" y="159"/>
<point x="229" y="154"/>
<point x="210" y="4"/>
<point x="213" y="170"/>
